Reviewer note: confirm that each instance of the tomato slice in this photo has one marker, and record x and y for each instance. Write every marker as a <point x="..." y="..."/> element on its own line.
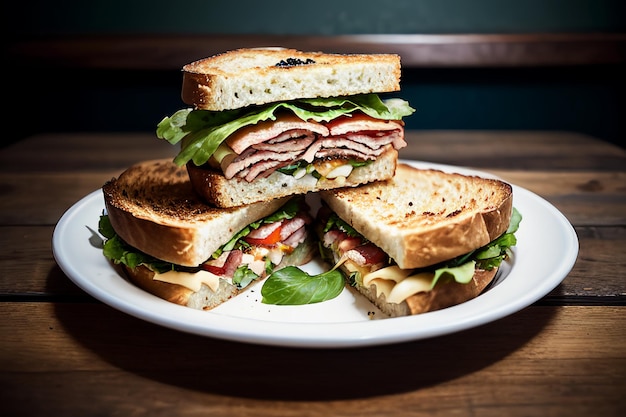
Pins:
<point x="217" y="270"/>
<point x="271" y="239"/>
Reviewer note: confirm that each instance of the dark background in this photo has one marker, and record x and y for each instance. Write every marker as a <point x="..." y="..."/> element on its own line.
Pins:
<point x="586" y="99"/>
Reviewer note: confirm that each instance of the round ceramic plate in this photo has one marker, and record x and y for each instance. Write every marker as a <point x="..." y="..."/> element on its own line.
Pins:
<point x="547" y="247"/>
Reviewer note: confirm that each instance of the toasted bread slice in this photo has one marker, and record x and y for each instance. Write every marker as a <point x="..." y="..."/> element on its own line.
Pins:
<point x="244" y="77"/>
<point x="423" y="217"/>
<point x="219" y="191"/>
<point x="153" y="207"/>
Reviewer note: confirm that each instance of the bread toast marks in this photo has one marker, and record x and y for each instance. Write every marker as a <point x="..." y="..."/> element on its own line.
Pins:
<point x="155" y="198"/>
<point x="426" y="216"/>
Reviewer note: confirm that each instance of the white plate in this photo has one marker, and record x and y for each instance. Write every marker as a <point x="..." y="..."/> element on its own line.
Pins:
<point x="546" y="250"/>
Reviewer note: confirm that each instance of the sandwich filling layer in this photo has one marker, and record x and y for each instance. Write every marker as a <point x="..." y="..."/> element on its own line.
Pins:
<point x="250" y="254"/>
<point x="324" y="137"/>
<point x="366" y="265"/>
<point x="261" y="149"/>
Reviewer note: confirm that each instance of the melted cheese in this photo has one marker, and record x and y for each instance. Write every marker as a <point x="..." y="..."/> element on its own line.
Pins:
<point x="409" y="286"/>
<point x="393" y="273"/>
<point x="193" y="281"/>
<point x="383" y="286"/>
<point x="396" y="283"/>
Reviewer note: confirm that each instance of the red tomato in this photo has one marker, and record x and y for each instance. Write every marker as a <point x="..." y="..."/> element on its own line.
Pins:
<point x="271" y="239"/>
<point x="217" y="270"/>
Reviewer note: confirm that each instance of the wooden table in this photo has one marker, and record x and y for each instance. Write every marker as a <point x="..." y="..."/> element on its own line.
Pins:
<point x="64" y="353"/>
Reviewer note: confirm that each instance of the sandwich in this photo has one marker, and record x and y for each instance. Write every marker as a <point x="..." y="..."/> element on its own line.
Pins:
<point x="272" y="122"/>
<point x="423" y="241"/>
<point x="170" y="243"/>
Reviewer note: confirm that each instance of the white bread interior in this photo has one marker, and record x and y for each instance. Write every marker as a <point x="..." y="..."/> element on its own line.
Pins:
<point x="222" y="192"/>
<point x="153" y="207"/>
<point x="244" y="77"/>
<point x="423" y="217"/>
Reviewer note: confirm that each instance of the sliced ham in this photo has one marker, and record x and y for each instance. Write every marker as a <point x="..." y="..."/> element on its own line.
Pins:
<point x="261" y="169"/>
<point x="261" y="132"/>
<point x="300" y="144"/>
<point x="252" y="157"/>
<point x="263" y="148"/>
<point x="361" y="122"/>
<point x="294" y="224"/>
<point x="343" y="143"/>
<point x="377" y="140"/>
<point x="339" y="153"/>
<point x="297" y="237"/>
<point x="309" y="155"/>
<point x="264" y="231"/>
<point x="287" y="227"/>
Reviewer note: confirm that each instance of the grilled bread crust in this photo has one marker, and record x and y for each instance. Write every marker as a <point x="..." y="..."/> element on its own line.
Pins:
<point x="255" y="76"/>
<point x="153" y="207"/>
<point x="426" y="216"/>
<point x="221" y="192"/>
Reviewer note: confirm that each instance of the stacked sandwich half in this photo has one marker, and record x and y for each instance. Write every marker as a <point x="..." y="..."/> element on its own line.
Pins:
<point x="269" y="128"/>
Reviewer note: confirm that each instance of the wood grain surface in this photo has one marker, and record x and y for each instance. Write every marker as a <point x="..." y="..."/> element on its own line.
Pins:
<point x="64" y="353"/>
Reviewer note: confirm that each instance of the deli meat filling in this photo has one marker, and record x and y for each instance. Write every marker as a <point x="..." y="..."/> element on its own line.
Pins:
<point x="267" y="146"/>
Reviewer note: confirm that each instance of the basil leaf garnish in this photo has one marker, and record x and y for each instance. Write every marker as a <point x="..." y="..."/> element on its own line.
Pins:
<point x="293" y="286"/>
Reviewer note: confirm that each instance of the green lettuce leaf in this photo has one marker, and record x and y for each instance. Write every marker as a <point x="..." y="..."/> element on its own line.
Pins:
<point x="202" y="131"/>
<point x="119" y="252"/>
<point x="293" y="286"/>
<point x="462" y="274"/>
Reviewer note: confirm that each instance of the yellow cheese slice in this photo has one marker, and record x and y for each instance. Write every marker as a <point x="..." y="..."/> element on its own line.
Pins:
<point x="383" y="286"/>
<point x="193" y="281"/>
<point x="409" y="286"/>
<point x="393" y="273"/>
<point x="396" y="283"/>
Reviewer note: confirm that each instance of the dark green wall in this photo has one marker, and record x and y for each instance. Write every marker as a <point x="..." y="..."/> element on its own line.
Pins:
<point x="320" y="17"/>
<point x="588" y="100"/>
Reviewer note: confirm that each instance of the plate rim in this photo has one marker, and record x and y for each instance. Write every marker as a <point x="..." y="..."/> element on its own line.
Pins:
<point x="324" y="334"/>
